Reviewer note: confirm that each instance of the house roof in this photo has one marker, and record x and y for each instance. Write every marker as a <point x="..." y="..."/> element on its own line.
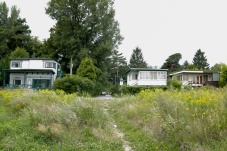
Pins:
<point x="28" y="70"/>
<point x="144" y="69"/>
<point x="32" y="59"/>
<point x="194" y="71"/>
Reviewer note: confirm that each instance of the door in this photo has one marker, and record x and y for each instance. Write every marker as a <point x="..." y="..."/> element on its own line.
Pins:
<point x="201" y="80"/>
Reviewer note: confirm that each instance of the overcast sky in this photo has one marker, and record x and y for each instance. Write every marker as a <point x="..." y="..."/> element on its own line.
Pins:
<point x="159" y="27"/>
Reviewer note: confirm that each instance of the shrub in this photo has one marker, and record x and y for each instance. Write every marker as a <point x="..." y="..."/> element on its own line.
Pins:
<point x="132" y="90"/>
<point x="174" y="83"/>
<point x="75" y="84"/>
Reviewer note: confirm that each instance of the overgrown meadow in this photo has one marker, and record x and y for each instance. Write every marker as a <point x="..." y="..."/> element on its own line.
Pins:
<point x="152" y="120"/>
<point x="174" y="120"/>
<point x="48" y="120"/>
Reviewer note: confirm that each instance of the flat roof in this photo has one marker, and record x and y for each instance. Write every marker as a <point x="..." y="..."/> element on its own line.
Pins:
<point x="32" y="59"/>
<point x="144" y="69"/>
<point x="28" y="70"/>
<point x="194" y="71"/>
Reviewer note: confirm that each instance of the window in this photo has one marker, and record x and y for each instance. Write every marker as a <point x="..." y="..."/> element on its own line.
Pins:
<point x="50" y="65"/>
<point x="145" y="75"/>
<point x="16" y="65"/>
<point x="162" y="75"/>
<point x="153" y="75"/>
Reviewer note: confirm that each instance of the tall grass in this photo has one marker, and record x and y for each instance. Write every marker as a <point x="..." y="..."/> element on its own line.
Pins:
<point x="48" y="120"/>
<point x="175" y="120"/>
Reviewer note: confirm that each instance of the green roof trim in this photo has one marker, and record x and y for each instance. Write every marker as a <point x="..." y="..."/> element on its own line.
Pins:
<point x="144" y="69"/>
<point x="32" y="59"/>
<point x="28" y="70"/>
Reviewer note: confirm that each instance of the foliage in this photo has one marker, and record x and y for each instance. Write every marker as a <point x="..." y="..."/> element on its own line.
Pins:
<point x="48" y="120"/>
<point x="14" y="31"/>
<point x="74" y="84"/>
<point x="172" y="63"/>
<point x="200" y="60"/>
<point x="133" y="90"/>
<point x="174" y="83"/>
<point x="174" y="120"/>
<point x="223" y="75"/>
<point x="19" y="53"/>
<point x="83" y="25"/>
<point x="118" y="67"/>
<point x="137" y="60"/>
<point x="87" y="69"/>
<point x="217" y="67"/>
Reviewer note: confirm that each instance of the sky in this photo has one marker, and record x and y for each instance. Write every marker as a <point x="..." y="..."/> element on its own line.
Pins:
<point x="159" y="28"/>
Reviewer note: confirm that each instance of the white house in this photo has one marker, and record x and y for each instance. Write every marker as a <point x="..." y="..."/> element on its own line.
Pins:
<point x="146" y="77"/>
<point x="31" y="73"/>
<point x="197" y="78"/>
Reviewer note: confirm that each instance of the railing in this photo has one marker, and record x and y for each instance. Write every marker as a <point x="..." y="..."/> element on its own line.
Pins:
<point x="135" y="83"/>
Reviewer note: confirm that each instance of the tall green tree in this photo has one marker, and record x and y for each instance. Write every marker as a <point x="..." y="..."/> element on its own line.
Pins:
<point x="172" y="62"/>
<point x="14" y="30"/>
<point x="137" y="60"/>
<point x="200" y="60"/>
<point x="118" y="66"/>
<point x="223" y="75"/>
<point x="83" y="25"/>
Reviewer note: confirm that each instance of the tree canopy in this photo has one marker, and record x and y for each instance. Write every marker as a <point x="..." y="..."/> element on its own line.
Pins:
<point x="14" y="30"/>
<point x="19" y="53"/>
<point x="83" y="25"/>
<point x="200" y="60"/>
<point x="223" y="75"/>
<point x="172" y="62"/>
<point x="137" y="60"/>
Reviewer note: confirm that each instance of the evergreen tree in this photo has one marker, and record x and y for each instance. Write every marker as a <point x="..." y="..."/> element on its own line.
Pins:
<point x="200" y="60"/>
<point x="87" y="69"/>
<point x="118" y="66"/>
<point x="172" y="63"/>
<point x="137" y="60"/>
<point x="13" y="29"/>
<point x="185" y="65"/>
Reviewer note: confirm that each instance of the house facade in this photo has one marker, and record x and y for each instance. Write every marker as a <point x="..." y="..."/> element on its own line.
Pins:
<point x="197" y="78"/>
<point x="31" y="73"/>
<point x="146" y="77"/>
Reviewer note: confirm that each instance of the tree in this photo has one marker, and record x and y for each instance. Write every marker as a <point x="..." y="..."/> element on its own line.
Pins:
<point x="172" y="63"/>
<point x="19" y="53"/>
<point x="223" y="75"/>
<point x="200" y="60"/>
<point x="136" y="60"/>
<point x="83" y="25"/>
<point x="185" y="64"/>
<point x="13" y="29"/>
<point x="217" y="67"/>
<point x="118" y="66"/>
<point x="87" y="69"/>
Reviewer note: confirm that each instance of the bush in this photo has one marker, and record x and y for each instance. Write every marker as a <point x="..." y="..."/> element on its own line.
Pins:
<point x="73" y="83"/>
<point x="132" y="90"/>
<point x="174" y="83"/>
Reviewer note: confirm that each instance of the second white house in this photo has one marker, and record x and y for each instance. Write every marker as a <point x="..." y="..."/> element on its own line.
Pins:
<point x="146" y="77"/>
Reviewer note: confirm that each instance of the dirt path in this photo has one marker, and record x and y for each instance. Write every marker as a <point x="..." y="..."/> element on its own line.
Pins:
<point x="107" y="99"/>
